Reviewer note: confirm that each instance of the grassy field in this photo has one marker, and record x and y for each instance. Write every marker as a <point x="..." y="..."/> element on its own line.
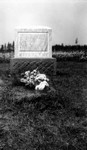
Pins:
<point x="56" y="120"/>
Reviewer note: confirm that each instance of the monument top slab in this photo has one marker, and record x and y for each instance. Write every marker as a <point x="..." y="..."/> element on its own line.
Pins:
<point x="33" y="42"/>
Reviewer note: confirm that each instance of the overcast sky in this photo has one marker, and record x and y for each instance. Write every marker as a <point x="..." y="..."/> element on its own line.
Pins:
<point x="67" y="18"/>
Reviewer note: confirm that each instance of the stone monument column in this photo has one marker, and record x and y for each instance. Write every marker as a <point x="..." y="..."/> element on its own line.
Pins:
<point x="33" y="48"/>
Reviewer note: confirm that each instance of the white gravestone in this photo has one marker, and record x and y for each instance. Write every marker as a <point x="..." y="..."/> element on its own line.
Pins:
<point x="33" y="49"/>
<point x="33" y="43"/>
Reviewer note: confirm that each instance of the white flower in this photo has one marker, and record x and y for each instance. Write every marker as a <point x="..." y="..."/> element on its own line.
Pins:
<point x="42" y="86"/>
<point x="34" y="72"/>
<point x="27" y="73"/>
<point x="41" y="77"/>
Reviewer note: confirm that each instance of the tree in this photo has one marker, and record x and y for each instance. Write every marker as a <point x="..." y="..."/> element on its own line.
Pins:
<point x="9" y="47"/>
<point x="76" y="41"/>
<point x="13" y="46"/>
<point x="2" y="48"/>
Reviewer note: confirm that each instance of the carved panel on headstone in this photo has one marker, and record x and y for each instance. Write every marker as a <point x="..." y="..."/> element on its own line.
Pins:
<point x="33" y="43"/>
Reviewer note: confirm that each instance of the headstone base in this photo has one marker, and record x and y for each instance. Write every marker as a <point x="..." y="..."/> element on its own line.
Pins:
<point x="45" y="65"/>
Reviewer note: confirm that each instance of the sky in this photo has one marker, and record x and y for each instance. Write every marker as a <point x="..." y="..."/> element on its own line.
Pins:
<point x="67" y="18"/>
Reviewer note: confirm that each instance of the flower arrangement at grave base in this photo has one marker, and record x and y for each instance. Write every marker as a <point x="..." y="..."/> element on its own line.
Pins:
<point x="34" y="80"/>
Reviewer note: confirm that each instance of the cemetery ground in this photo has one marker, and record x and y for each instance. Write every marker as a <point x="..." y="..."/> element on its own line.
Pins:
<point x="52" y="120"/>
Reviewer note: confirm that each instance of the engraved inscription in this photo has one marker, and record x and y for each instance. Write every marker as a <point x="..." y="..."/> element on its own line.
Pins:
<point x="33" y="42"/>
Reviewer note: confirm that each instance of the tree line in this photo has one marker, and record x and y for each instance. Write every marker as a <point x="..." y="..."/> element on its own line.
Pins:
<point x="69" y="48"/>
<point x="9" y="47"/>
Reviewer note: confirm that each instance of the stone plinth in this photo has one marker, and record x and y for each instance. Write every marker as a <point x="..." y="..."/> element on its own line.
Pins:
<point x="47" y="66"/>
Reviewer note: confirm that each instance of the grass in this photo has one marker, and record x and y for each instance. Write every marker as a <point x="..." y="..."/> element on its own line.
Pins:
<point x="56" y="120"/>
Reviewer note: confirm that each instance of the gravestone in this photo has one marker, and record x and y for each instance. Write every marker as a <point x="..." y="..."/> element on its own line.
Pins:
<point x="33" y="49"/>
